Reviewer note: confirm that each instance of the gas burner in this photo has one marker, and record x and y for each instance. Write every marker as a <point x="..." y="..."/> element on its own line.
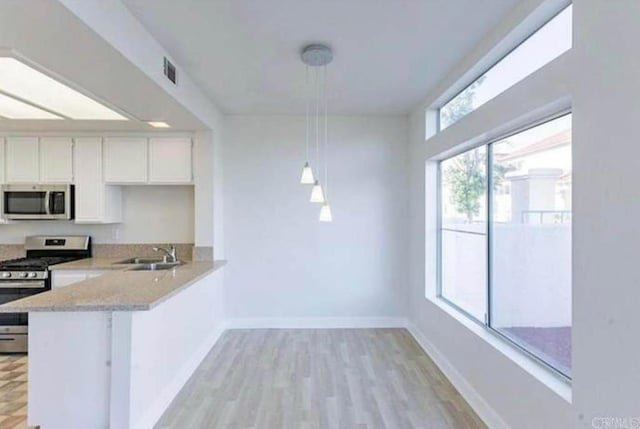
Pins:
<point x="41" y="263"/>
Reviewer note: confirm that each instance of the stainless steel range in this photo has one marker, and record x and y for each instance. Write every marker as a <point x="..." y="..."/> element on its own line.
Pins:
<point x="23" y="277"/>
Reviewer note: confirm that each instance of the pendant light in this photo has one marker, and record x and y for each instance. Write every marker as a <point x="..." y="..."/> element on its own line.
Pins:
<point x="307" y="173"/>
<point x="315" y="56"/>
<point x="317" y="196"/>
<point x="325" y="213"/>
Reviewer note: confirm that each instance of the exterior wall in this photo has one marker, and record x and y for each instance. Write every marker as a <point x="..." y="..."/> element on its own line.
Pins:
<point x="532" y="291"/>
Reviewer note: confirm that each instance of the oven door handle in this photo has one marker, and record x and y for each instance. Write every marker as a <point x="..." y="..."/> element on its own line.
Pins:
<point x="47" y="202"/>
<point x="23" y="285"/>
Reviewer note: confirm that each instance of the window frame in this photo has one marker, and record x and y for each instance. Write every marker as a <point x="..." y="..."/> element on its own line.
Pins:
<point x="486" y="323"/>
<point x="492" y="65"/>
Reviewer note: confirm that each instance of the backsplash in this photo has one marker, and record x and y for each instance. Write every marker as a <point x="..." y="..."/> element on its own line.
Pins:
<point x="184" y="251"/>
<point x="11" y="251"/>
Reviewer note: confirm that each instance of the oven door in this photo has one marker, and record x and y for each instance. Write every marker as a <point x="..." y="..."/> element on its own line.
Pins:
<point x="37" y="202"/>
<point x="13" y="326"/>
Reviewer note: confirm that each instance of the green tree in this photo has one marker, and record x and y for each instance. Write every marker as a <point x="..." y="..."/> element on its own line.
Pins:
<point x="465" y="176"/>
<point x="460" y="105"/>
<point x="466" y="173"/>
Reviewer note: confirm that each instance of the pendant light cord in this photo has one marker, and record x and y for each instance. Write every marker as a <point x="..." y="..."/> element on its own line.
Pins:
<point x="307" y="96"/>
<point x="326" y="137"/>
<point x="317" y="82"/>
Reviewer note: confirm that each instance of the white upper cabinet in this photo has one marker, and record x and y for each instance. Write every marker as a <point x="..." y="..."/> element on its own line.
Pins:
<point x="34" y="160"/>
<point x="56" y="160"/>
<point x="22" y="160"/>
<point x="170" y="160"/>
<point x="95" y="201"/>
<point x="125" y="160"/>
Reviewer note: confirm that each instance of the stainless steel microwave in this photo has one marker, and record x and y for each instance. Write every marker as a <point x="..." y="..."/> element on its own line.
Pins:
<point x="38" y="202"/>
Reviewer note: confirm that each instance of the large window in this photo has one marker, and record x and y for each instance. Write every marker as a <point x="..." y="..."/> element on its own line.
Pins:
<point x="505" y="238"/>
<point x="546" y="44"/>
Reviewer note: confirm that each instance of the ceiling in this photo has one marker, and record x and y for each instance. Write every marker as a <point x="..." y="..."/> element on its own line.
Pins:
<point x="388" y="54"/>
<point x="48" y="35"/>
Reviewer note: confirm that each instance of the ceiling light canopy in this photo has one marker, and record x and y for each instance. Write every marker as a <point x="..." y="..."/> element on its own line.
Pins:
<point x="21" y="81"/>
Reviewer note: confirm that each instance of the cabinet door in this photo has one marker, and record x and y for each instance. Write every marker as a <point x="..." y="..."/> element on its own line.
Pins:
<point x="170" y="160"/>
<point x="56" y="160"/>
<point x="125" y="160"/>
<point x="89" y="187"/>
<point x="22" y="160"/>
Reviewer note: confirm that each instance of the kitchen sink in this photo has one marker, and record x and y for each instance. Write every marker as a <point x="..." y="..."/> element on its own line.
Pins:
<point x="141" y="261"/>
<point x="157" y="266"/>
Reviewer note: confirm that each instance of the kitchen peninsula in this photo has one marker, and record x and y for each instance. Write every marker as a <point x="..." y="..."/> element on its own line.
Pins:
<point x="112" y="351"/>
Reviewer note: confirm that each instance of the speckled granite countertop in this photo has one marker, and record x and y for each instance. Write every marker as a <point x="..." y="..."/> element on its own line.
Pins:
<point x="120" y="290"/>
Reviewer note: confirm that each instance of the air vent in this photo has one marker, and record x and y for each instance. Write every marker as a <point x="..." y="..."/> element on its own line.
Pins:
<point x="170" y="71"/>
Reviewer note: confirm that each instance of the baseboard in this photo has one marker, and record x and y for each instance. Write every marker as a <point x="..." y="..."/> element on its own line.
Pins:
<point x="164" y="398"/>
<point x="317" y="323"/>
<point x="490" y="417"/>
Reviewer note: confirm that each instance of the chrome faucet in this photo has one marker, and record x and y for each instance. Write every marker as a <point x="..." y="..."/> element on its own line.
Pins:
<point x="170" y="253"/>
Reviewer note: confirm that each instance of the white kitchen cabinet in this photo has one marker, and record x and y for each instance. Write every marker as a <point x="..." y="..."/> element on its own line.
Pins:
<point x="125" y="160"/>
<point x="62" y="278"/>
<point x="22" y="160"/>
<point x="56" y="160"/>
<point x="95" y="201"/>
<point x="170" y="160"/>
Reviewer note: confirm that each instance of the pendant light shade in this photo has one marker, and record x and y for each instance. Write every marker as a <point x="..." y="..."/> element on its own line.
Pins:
<point x="325" y="213"/>
<point x="317" y="196"/>
<point x="307" y="175"/>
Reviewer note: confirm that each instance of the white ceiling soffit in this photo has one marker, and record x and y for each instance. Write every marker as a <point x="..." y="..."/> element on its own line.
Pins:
<point x="387" y="54"/>
<point x="47" y="34"/>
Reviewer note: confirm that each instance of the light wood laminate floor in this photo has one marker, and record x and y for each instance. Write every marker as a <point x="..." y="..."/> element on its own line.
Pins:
<point x="321" y="379"/>
<point x="13" y="391"/>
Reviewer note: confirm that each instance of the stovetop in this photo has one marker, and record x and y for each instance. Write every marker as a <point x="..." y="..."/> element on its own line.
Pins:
<point x="35" y="264"/>
<point x="43" y="251"/>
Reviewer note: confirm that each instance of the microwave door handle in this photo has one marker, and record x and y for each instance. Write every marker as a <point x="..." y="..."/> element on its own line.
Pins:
<point x="47" y="202"/>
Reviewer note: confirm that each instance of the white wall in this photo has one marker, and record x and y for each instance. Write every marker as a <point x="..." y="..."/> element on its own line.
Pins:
<point x="150" y="214"/>
<point x="283" y="263"/>
<point x="606" y="207"/>
<point x="505" y="387"/>
<point x="599" y="78"/>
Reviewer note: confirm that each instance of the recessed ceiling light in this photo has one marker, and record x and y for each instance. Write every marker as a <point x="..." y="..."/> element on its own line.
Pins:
<point x="27" y="83"/>
<point x="15" y="109"/>
<point x="159" y="124"/>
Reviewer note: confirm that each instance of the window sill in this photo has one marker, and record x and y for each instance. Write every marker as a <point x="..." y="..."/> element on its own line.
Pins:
<point x="552" y="380"/>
